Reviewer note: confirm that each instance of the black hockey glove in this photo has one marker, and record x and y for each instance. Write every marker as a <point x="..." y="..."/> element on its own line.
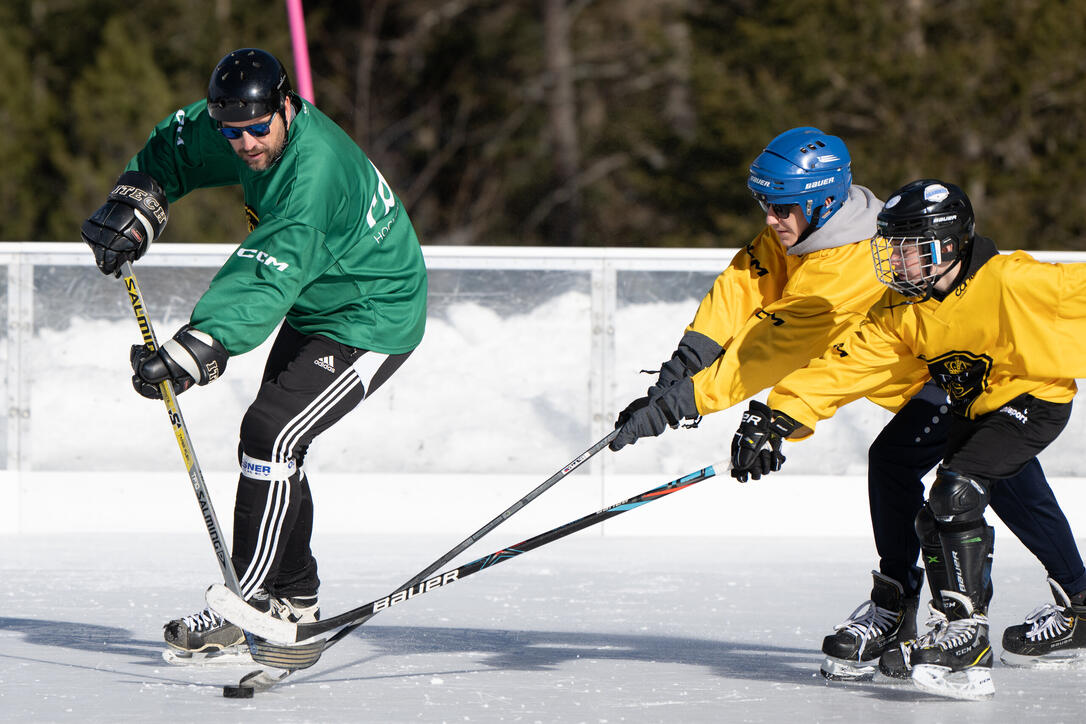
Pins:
<point x="756" y="447"/>
<point x="694" y="353"/>
<point x="124" y="226"/>
<point x="191" y="357"/>
<point x="650" y="416"/>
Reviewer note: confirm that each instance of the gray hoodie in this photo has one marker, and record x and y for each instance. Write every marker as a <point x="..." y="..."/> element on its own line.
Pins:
<point x="854" y="221"/>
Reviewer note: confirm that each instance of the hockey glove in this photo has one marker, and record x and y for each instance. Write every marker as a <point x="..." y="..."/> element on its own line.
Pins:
<point x="756" y="447"/>
<point x="650" y="416"/>
<point x="694" y="353"/>
<point x="191" y="357"/>
<point x="124" y="226"/>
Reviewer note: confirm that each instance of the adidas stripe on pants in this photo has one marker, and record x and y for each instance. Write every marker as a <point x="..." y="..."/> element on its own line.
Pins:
<point x="309" y="383"/>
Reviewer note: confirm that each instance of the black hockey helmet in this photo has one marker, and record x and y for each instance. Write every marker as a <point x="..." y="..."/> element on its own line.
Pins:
<point x="928" y="219"/>
<point x="247" y="84"/>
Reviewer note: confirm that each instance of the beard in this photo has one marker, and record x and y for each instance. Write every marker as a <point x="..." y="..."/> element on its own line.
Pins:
<point x="270" y="153"/>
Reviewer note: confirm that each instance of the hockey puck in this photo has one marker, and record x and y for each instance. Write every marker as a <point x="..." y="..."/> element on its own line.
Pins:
<point x="238" y="692"/>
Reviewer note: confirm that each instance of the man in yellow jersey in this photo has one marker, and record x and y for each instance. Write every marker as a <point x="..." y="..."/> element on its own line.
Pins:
<point x="801" y="285"/>
<point x="1004" y="337"/>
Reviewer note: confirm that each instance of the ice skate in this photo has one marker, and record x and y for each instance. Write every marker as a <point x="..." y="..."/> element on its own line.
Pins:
<point x="958" y="661"/>
<point x="1052" y="637"/>
<point x="207" y="638"/>
<point x="202" y="632"/>
<point x="853" y="650"/>
<point x="895" y="664"/>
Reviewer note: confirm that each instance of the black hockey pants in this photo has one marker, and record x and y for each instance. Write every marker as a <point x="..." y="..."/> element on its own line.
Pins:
<point x="910" y="446"/>
<point x="309" y="383"/>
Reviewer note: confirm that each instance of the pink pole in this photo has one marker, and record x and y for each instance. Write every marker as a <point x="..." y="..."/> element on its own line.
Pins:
<point x="301" y="50"/>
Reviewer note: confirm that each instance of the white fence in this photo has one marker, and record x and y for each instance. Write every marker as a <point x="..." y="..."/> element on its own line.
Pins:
<point x="528" y="356"/>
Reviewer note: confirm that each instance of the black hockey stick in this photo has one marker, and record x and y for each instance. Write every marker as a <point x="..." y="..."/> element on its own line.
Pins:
<point x="281" y="657"/>
<point x="242" y="614"/>
<point x="181" y="432"/>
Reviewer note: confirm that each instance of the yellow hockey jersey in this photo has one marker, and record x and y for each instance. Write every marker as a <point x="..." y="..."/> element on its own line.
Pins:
<point x="1013" y="326"/>
<point x="773" y="312"/>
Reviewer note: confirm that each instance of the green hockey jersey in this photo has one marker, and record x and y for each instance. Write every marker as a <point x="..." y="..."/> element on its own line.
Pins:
<point x="330" y="249"/>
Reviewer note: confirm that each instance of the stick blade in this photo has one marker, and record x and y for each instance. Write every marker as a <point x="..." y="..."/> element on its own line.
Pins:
<point x="230" y="606"/>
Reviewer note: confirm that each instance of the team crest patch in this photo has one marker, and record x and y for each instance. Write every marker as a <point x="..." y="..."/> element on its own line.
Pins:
<point x="963" y="376"/>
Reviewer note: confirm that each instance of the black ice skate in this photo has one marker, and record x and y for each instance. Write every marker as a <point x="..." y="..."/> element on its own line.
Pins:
<point x="896" y="662"/>
<point x="958" y="662"/>
<point x="208" y="638"/>
<point x="853" y="650"/>
<point x="204" y="631"/>
<point x="1052" y="637"/>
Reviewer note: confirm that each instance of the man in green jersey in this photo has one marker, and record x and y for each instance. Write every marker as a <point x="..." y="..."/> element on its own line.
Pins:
<point x="331" y="254"/>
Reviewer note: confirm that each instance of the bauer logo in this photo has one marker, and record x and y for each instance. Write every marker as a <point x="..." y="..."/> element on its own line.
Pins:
<point x="760" y="181"/>
<point x="820" y="183"/>
<point x="400" y="596"/>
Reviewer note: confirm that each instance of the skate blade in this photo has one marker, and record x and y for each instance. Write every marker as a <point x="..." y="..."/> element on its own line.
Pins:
<point x="972" y="684"/>
<point x="834" y="669"/>
<point x="885" y="679"/>
<point x="232" y="656"/>
<point x="1056" y="660"/>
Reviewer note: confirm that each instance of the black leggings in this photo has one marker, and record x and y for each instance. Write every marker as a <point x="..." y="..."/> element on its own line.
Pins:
<point x="910" y="446"/>
<point x="309" y="383"/>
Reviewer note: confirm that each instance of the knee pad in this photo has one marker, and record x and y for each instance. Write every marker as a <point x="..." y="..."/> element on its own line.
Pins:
<point x="956" y="498"/>
<point x="257" y="469"/>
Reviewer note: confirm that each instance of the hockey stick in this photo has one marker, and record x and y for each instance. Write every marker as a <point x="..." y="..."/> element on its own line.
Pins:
<point x="181" y="432"/>
<point x="281" y="657"/>
<point x="234" y="609"/>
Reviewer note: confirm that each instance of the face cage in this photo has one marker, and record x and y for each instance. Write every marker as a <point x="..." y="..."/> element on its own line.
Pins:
<point x="907" y="264"/>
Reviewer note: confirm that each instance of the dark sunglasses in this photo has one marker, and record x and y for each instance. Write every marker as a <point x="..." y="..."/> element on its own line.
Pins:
<point x="779" y="210"/>
<point x="257" y="130"/>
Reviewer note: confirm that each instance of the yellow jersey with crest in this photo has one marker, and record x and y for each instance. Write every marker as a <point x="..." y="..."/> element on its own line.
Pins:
<point x="1015" y="326"/>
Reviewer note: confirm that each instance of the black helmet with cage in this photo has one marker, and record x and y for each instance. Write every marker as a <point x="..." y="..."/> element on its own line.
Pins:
<point x="247" y="84"/>
<point x="924" y="228"/>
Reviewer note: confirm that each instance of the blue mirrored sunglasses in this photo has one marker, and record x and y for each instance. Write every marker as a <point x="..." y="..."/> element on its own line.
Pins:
<point x="257" y="130"/>
<point x="779" y="210"/>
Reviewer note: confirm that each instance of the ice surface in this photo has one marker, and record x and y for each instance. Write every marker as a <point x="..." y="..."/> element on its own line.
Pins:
<point x="587" y="629"/>
<point x="708" y="606"/>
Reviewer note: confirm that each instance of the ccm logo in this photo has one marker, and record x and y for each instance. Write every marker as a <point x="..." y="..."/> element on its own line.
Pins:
<point x="263" y="257"/>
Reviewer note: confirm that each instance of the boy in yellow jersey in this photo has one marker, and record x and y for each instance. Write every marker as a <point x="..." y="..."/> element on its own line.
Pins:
<point x="801" y="285"/>
<point x="1004" y="337"/>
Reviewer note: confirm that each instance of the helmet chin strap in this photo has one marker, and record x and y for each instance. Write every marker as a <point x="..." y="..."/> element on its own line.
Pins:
<point x="957" y="267"/>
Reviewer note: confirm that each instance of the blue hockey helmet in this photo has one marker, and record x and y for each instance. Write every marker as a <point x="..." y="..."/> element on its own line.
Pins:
<point x="803" y="166"/>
